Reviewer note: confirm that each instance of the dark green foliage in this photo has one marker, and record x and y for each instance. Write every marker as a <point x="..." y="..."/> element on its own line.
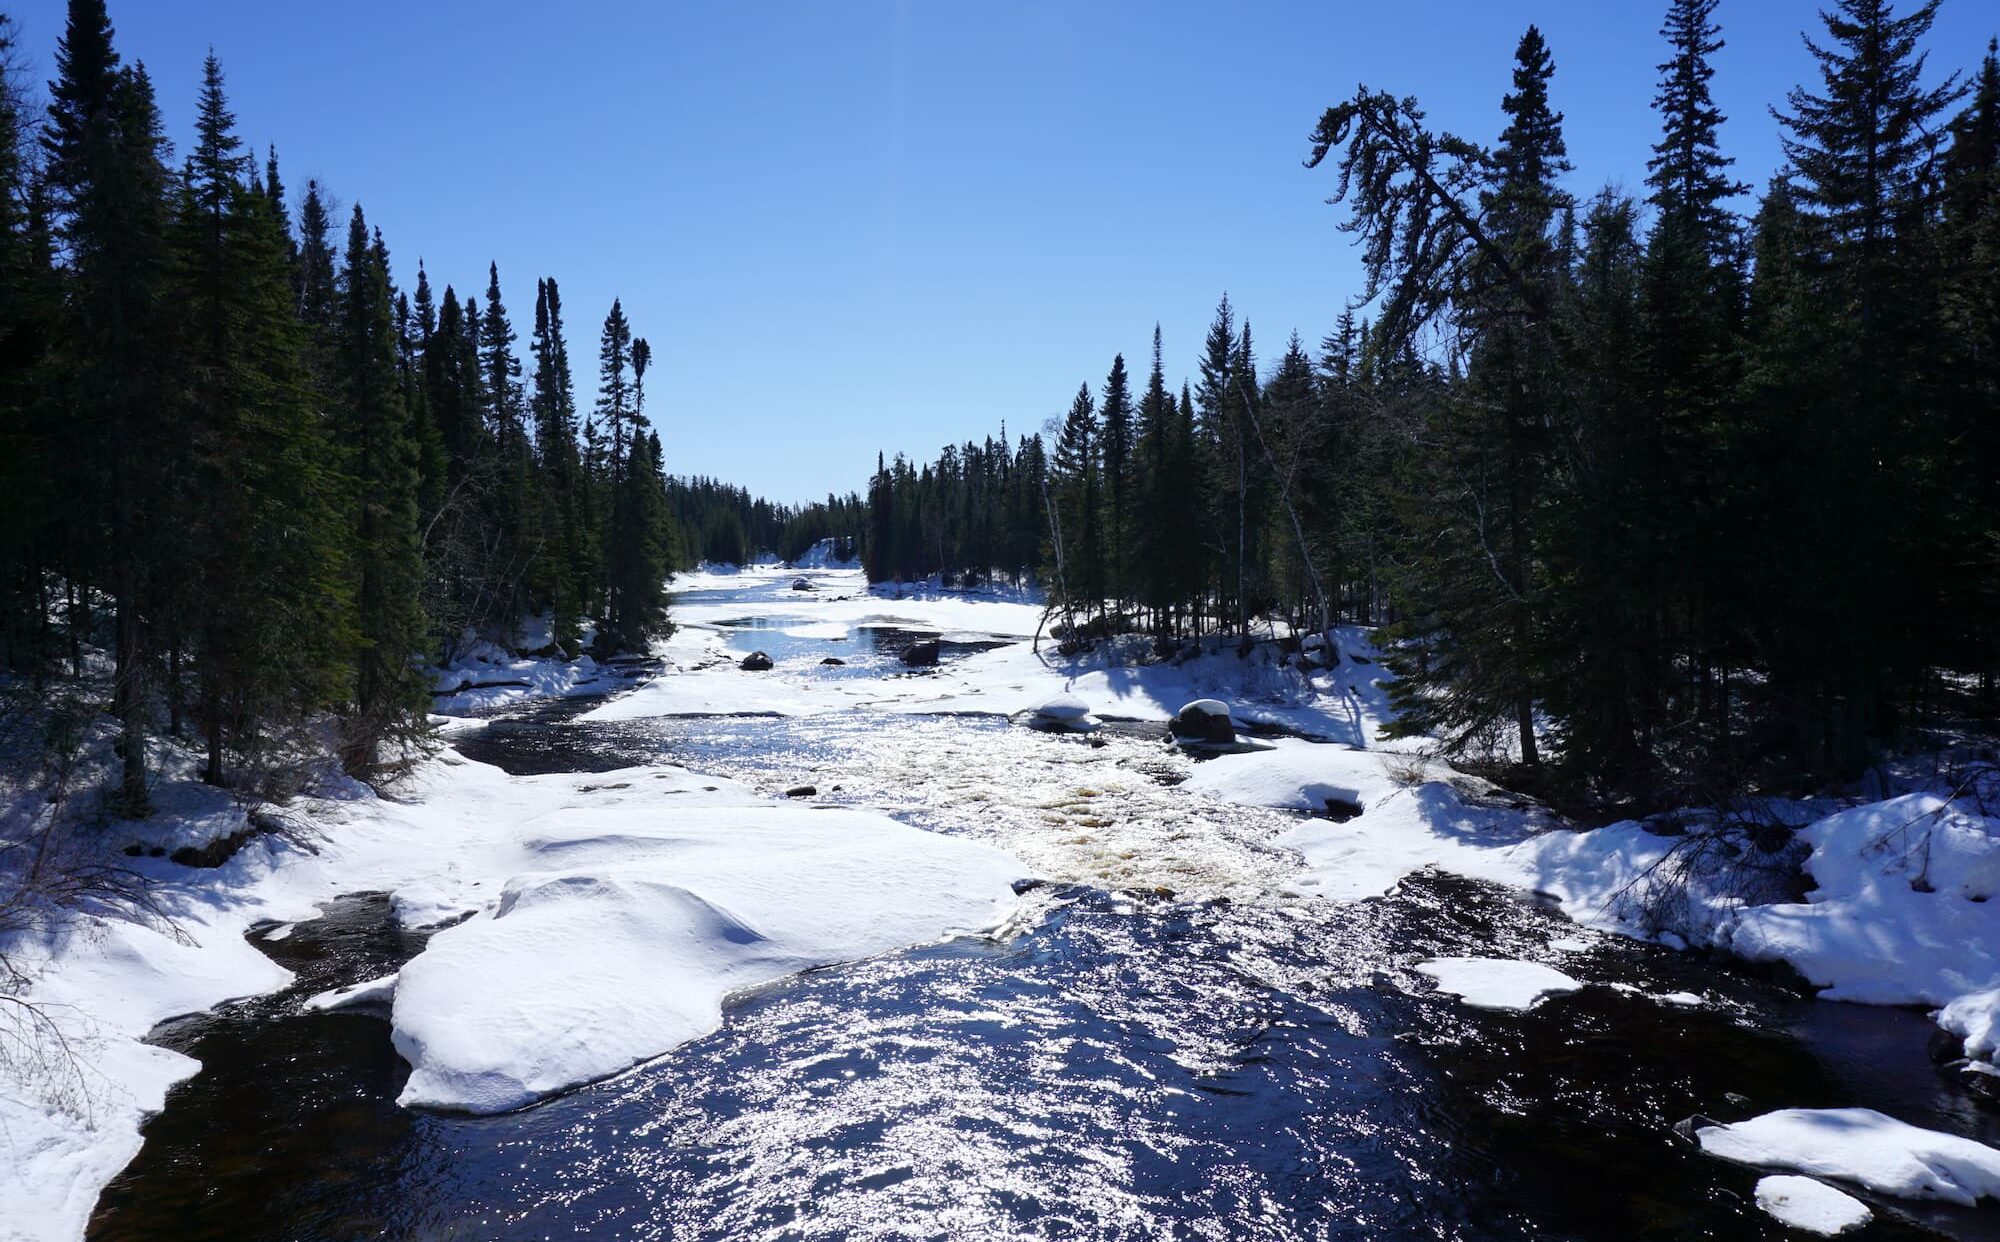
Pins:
<point x="1671" y="502"/>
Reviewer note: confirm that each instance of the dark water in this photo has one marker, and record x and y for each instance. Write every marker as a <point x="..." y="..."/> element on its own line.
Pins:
<point x="1132" y="1068"/>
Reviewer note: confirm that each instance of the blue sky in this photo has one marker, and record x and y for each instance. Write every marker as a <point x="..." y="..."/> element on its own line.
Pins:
<point x="847" y="225"/>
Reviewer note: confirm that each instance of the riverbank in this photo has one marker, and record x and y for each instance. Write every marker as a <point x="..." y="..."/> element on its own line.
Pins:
<point x="692" y="887"/>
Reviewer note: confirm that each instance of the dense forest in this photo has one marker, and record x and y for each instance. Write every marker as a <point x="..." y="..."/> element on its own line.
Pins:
<point x="269" y="483"/>
<point x="1672" y="496"/>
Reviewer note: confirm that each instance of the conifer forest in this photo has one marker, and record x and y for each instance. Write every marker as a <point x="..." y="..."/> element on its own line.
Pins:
<point x="509" y="729"/>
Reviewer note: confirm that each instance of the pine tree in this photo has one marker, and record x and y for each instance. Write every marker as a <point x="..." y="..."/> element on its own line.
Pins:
<point x="616" y="416"/>
<point x="108" y="179"/>
<point x="636" y="556"/>
<point x="374" y="431"/>
<point x="1078" y="541"/>
<point x="1115" y="450"/>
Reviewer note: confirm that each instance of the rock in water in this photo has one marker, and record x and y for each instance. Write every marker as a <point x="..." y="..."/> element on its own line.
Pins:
<point x="1064" y="707"/>
<point x="1204" y="720"/>
<point x="835" y="661"/>
<point x="801" y="584"/>
<point x="802" y="791"/>
<point x="1065" y="713"/>
<point x="756" y="662"/>
<point x="923" y="654"/>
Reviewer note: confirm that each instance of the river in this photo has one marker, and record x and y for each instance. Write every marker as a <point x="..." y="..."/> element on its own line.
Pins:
<point x="1176" y="1044"/>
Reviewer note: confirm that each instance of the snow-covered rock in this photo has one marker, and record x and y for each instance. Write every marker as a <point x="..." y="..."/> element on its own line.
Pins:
<point x="1862" y="1146"/>
<point x="1063" y="707"/>
<point x="1497" y="982"/>
<point x="1815" y="1207"/>
<point x="1204" y="721"/>
<point x="624" y="929"/>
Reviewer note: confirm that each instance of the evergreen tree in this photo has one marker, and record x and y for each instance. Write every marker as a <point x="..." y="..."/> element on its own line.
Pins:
<point x="1115" y="450"/>
<point x="1078" y="540"/>
<point x="107" y="176"/>
<point x="373" y="429"/>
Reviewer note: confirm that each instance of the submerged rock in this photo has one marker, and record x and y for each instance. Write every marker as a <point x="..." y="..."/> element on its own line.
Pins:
<point x="756" y="662"/>
<point x="834" y="661"/>
<point x="1204" y="720"/>
<point x="923" y="654"/>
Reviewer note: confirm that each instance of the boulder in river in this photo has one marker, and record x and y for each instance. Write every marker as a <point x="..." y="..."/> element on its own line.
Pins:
<point x="923" y="654"/>
<point x="1065" y="713"/>
<point x="1204" y="721"/>
<point x="756" y="662"/>
<point x="802" y="584"/>
<point x="834" y="661"/>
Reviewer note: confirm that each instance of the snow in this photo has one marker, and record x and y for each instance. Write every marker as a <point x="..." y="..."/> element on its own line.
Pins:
<point x="1815" y="1207"/>
<point x="1497" y="983"/>
<point x="484" y="675"/>
<point x="1414" y="814"/>
<point x="671" y="914"/>
<point x="818" y="886"/>
<point x="1899" y="914"/>
<point x="1862" y="1146"/>
<point x="1064" y="707"/>
<point x="1975" y="1018"/>
<point x="368" y="992"/>
<point x="1119" y="679"/>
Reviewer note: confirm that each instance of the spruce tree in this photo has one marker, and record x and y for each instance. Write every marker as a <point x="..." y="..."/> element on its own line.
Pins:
<point x="107" y="177"/>
<point x="381" y="453"/>
<point x="1115" y="451"/>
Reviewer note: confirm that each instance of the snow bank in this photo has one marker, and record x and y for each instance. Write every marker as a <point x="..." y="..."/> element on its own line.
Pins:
<point x="1865" y="1147"/>
<point x="1975" y="1018"/>
<point x="1815" y="1207"/>
<point x="1413" y="814"/>
<point x="484" y="675"/>
<point x="817" y="886"/>
<point x="1899" y="913"/>
<point x="1296" y="776"/>
<point x="1496" y="982"/>
<point x="629" y="928"/>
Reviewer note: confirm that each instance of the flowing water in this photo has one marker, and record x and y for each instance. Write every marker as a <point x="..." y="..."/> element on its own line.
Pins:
<point x="1178" y="1045"/>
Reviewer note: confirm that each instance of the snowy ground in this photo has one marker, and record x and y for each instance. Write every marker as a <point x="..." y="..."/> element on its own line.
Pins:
<point x="688" y="887"/>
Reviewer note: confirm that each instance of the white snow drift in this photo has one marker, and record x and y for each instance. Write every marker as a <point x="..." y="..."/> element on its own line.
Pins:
<point x="1802" y="1203"/>
<point x="1496" y="982"/>
<point x="1862" y="1146"/>
<point x="630" y="925"/>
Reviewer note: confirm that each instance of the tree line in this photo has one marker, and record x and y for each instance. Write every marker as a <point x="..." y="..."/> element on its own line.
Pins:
<point x="1666" y="496"/>
<point x="268" y="482"/>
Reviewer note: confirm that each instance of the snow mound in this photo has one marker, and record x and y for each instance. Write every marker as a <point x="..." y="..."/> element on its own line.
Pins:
<point x="1862" y="1146"/>
<point x="1497" y="982"/>
<point x="368" y="992"/>
<point x="1975" y="1018"/>
<point x="1815" y="1207"/>
<point x="1063" y="707"/>
<point x="1296" y="778"/>
<point x="625" y="931"/>
<point x="1899" y="913"/>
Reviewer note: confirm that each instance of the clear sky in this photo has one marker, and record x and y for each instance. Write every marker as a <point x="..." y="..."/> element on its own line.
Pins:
<point x="847" y="225"/>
